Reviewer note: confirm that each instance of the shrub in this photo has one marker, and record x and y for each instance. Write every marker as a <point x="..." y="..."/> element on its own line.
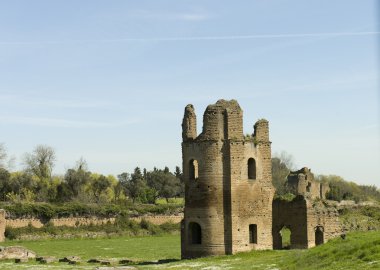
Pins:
<point x="170" y="227"/>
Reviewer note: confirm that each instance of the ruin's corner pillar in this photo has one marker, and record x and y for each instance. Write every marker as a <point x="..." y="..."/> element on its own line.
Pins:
<point x="2" y="225"/>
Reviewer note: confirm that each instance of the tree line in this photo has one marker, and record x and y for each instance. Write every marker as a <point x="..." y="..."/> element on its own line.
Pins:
<point x="36" y="182"/>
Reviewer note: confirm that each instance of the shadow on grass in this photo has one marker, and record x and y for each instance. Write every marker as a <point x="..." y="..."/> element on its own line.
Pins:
<point x="158" y="262"/>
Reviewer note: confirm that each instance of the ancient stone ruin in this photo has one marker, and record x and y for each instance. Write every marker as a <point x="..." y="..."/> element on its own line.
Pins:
<point x="302" y="182"/>
<point x="229" y="204"/>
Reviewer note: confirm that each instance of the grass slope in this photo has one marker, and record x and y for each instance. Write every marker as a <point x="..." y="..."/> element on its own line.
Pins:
<point x="358" y="251"/>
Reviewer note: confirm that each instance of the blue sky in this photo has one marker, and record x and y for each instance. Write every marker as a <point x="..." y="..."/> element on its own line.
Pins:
<point x="108" y="80"/>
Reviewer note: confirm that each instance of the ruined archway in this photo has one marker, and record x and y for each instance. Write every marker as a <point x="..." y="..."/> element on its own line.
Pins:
<point x="319" y="237"/>
<point x="195" y="233"/>
<point x="286" y="237"/>
<point x="282" y="238"/>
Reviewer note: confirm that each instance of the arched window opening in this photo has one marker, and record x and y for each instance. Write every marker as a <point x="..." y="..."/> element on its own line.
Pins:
<point x="319" y="236"/>
<point x="253" y="234"/>
<point x="251" y="168"/>
<point x="308" y="187"/>
<point x="193" y="169"/>
<point x="195" y="233"/>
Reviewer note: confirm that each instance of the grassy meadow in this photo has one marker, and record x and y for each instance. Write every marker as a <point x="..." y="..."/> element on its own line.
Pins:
<point x="358" y="251"/>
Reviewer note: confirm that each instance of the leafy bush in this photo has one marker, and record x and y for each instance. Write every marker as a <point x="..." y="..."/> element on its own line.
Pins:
<point x="286" y="197"/>
<point x="47" y="211"/>
<point x="170" y="227"/>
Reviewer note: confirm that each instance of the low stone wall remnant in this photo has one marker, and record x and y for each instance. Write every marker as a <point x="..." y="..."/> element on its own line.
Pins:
<point x="78" y="221"/>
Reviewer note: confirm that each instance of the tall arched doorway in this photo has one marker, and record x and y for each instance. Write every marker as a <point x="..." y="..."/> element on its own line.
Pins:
<point x="195" y="233"/>
<point x="319" y="236"/>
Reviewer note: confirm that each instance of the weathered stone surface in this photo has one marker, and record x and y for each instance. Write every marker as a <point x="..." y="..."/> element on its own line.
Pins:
<point x="82" y="221"/>
<point x="302" y="182"/>
<point x="15" y="252"/>
<point x="311" y="222"/>
<point x="93" y="260"/>
<point x="107" y="261"/>
<point x="48" y="259"/>
<point x="126" y="261"/>
<point x="71" y="259"/>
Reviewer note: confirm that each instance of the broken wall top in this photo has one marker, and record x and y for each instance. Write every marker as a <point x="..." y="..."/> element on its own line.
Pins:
<point x="221" y="121"/>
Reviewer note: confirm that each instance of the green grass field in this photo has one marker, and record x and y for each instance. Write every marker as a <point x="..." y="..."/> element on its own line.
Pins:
<point x="357" y="251"/>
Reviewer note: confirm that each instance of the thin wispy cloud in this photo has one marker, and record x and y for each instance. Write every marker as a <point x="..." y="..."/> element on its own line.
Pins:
<point x="199" y="38"/>
<point x="168" y="16"/>
<point x="63" y="123"/>
<point x="39" y="101"/>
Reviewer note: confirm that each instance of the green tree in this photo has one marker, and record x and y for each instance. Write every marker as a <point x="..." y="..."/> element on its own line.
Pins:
<point x="76" y="179"/>
<point x="178" y="174"/>
<point x="40" y="162"/>
<point x="21" y="183"/>
<point x="4" y="183"/>
<point x="99" y="186"/>
<point x="281" y="166"/>
<point x="117" y="191"/>
<point x="164" y="182"/>
<point x="134" y="185"/>
<point x="341" y="189"/>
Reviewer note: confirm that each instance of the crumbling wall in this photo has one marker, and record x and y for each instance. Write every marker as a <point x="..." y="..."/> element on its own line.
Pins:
<point x="292" y="215"/>
<point x="306" y="219"/>
<point x="82" y="221"/>
<point x="158" y="220"/>
<point x="189" y="124"/>
<point x="324" y="217"/>
<point x="70" y="222"/>
<point x="252" y="198"/>
<point x="302" y="182"/>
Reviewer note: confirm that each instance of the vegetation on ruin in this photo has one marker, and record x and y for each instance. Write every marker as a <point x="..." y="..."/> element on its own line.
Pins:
<point x="285" y="197"/>
<point x="46" y="211"/>
<point x="360" y="218"/>
<point x="358" y="251"/>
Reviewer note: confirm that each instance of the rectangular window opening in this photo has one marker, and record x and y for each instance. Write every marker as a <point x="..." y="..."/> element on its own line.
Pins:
<point x="253" y="234"/>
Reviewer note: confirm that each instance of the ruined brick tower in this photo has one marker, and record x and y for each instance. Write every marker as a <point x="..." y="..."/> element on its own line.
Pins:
<point x="228" y="183"/>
